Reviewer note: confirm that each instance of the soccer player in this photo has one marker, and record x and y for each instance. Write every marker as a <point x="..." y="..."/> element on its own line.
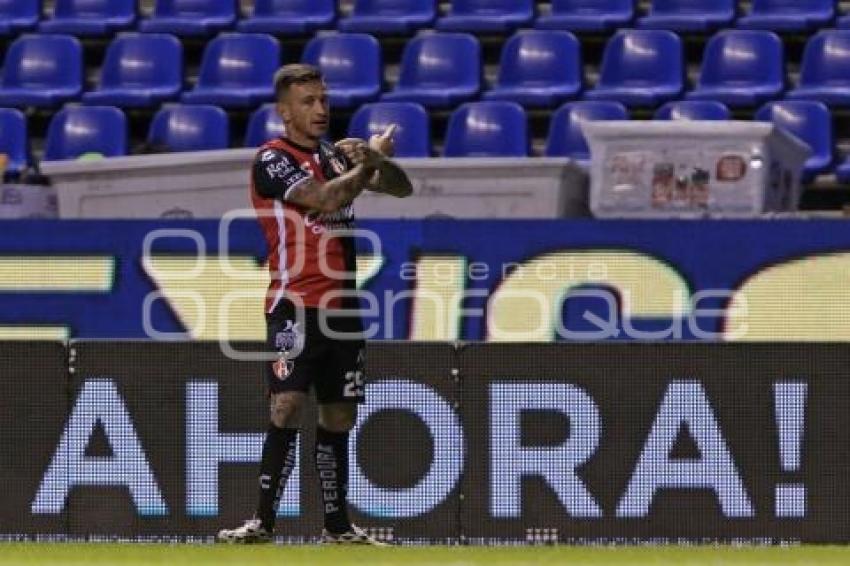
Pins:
<point x="302" y="189"/>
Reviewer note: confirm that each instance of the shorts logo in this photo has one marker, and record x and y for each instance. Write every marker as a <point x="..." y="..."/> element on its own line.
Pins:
<point x="289" y="342"/>
<point x="290" y="339"/>
<point x="283" y="367"/>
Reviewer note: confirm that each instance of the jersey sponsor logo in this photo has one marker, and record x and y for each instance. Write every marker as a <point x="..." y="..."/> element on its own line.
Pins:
<point x="267" y="155"/>
<point x="280" y="169"/>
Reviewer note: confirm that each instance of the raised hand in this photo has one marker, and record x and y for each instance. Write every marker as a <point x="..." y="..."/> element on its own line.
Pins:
<point x="383" y="143"/>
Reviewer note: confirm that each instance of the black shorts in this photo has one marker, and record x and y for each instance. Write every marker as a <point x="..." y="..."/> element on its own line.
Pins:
<point x="305" y="355"/>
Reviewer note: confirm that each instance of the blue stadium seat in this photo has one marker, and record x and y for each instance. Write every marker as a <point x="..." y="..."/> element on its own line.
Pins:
<point x="18" y="15"/>
<point x="487" y="129"/>
<point x="76" y="130"/>
<point x="641" y="68"/>
<point x="139" y="70"/>
<point x="825" y="72"/>
<point x="688" y="15"/>
<point x="789" y="15"/>
<point x="351" y="64"/>
<point x="539" y="68"/>
<point x="237" y="70"/>
<point x="439" y="70"/>
<point x="741" y="68"/>
<point x="588" y="15"/>
<point x="413" y="135"/>
<point x="263" y="125"/>
<point x="810" y="121"/>
<point x="289" y="16"/>
<point x="42" y="70"/>
<point x="14" y="141"/>
<point x="487" y="15"/>
<point x="693" y="110"/>
<point x="389" y="16"/>
<point x="189" y="128"/>
<point x="566" y="138"/>
<point x="90" y="17"/>
<point x="190" y="17"/>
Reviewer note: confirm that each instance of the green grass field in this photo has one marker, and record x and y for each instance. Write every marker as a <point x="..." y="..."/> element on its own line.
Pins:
<point x="128" y="554"/>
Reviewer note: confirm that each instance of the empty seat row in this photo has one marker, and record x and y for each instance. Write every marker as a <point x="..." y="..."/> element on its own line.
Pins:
<point x="204" y="17"/>
<point x="741" y="68"/>
<point x="476" y="129"/>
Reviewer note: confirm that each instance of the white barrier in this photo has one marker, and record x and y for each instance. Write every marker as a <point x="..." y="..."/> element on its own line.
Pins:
<point x="207" y="184"/>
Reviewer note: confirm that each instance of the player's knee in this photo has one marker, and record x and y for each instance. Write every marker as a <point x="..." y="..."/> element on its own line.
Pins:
<point x="338" y="417"/>
<point x="285" y="409"/>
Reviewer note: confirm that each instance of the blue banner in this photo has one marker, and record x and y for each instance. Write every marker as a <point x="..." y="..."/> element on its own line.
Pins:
<point x="441" y="280"/>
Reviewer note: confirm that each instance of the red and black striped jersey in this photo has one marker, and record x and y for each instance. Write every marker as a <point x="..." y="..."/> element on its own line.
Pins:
<point x="311" y="254"/>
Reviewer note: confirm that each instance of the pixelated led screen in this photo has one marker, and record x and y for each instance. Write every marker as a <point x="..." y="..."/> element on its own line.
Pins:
<point x="486" y="443"/>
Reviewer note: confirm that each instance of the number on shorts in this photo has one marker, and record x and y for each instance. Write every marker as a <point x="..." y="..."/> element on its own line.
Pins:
<point x="354" y="382"/>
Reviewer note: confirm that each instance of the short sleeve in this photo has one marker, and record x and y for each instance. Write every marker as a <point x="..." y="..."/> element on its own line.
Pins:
<point x="276" y="174"/>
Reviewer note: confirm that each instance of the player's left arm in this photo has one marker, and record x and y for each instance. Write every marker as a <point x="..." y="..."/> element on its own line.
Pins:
<point x="388" y="178"/>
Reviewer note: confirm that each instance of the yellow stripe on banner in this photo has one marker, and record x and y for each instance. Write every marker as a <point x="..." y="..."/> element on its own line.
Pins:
<point x="56" y="273"/>
<point x="440" y="284"/>
<point x="60" y="333"/>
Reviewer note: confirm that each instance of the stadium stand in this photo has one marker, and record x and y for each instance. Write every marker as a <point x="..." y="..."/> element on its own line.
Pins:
<point x="351" y="64"/>
<point x="741" y="68"/>
<point x="439" y="70"/>
<point x="413" y="134"/>
<point x="565" y="137"/>
<point x="641" y="68"/>
<point x="688" y="15"/>
<point x="78" y="130"/>
<point x="13" y="138"/>
<point x="90" y="17"/>
<point x="693" y="53"/>
<point x="588" y="15"/>
<point x="289" y="16"/>
<point x="236" y="70"/>
<point x="693" y="110"/>
<point x="539" y="68"/>
<point x="487" y="129"/>
<point x="42" y="70"/>
<point x="487" y="15"/>
<point x="263" y="125"/>
<point x="389" y="16"/>
<point x="189" y="128"/>
<point x="810" y="121"/>
<point x="139" y="70"/>
<point x="190" y="17"/>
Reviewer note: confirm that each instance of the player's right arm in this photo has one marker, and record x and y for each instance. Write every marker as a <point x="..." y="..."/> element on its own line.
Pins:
<point x="277" y="176"/>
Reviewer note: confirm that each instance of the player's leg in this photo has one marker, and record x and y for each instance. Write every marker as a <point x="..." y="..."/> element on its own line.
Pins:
<point x="279" y="453"/>
<point x="288" y="379"/>
<point x="278" y="461"/>
<point x="338" y="391"/>
<point x="332" y="432"/>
